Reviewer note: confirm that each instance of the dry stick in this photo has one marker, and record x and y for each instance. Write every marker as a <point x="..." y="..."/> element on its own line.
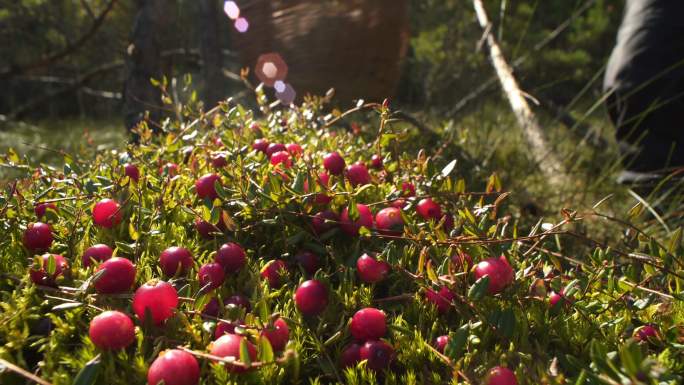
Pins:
<point x="30" y="376"/>
<point x="547" y="161"/>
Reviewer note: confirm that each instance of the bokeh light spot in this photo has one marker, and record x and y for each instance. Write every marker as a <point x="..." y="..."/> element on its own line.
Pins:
<point x="231" y="9"/>
<point x="287" y="96"/>
<point x="279" y="86"/>
<point x="270" y="68"/>
<point x="241" y="25"/>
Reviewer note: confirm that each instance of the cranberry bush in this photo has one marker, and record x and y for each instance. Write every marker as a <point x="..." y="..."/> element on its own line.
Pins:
<point x="282" y="248"/>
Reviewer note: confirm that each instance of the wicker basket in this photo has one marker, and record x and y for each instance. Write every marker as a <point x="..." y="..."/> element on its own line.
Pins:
<point x="355" y="46"/>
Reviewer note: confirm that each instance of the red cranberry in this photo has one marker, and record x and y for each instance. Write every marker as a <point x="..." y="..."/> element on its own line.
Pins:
<point x="281" y="157"/>
<point x="324" y="182"/>
<point x="499" y="272"/>
<point x="41" y="208"/>
<point x="157" y="297"/>
<point x="224" y="328"/>
<point x="371" y="270"/>
<point x="169" y="169"/>
<point x="311" y="297"/>
<point x="351" y="355"/>
<point x="42" y="277"/>
<point x="118" y="276"/>
<point x="175" y="260"/>
<point x="378" y="353"/>
<point x="260" y="145"/>
<point x="499" y="375"/>
<point x="219" y="161"/>
<point x="277" y="335"/>
<point x="357" y="174"/>
<point x="211" y="276"/>
<point x="398" y="203"/>
<point x="376" y="162"/>
<point x="308" y="260"/>
<point x="231" y="257"/>
<point x="389" y="221"/>
<point x="334" y="163"/>
<point x="441" y="343"/>
<point x="352" y="227"/>
<point x="228" y="345"/>
<point x="462" y="261"/>
<point x="368" y="324"/>
<point x="37" y="237"/>
<point x="442" y="299"/>
<point x="275" y="272"/>
<point x="294" y="149"/>
<point x="211" y="309"/>
<point x="239" y="300"/>
<point x="112" y="330"/>
<point x="131" y="171"/>
<point x="408" y="189"/>
<point x="324" y="221"/>
<point x="98" y="253"/>
<point x="429" y="210"/>
<point x="205" y="186"/>
<point x="107" y="213"/>
<point x="275" y="147"/>
<point x="555" y="298"/>
<point x="174" y="367"/>
<point x="448" y="224"/>
<point x="207" y="230"/>
<point x="645" y="333"/>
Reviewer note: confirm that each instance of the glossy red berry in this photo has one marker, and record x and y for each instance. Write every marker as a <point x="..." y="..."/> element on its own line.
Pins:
<point x="398" y="203"/>
<point x="205" y="186"/>
<point x="275" y="147"/>
<point x="211" y="309"/>
<point x="41" y="208"/>
<point x="231" y="257"/>
<point x="37" y="237"/>
<point x="260" y="145"/>
<point x="41" y="276"/>
<point x="277" y="335"/>
<point x="442" y="299"/>
<point x="500" y="375"/>
<point x="211" y="276"/>
<point x="131" y="171"/>
<point x="378" y="353"/>
<point x="324" y="221"/>
<point x="645" y="333"/>
<point x="429" y="210"/>
<point x="219" y="161"/>
<point x="368" y="324"/>
<point x="389" y="221"/>
<point x="224" y="328"/>
<point x="499" y="272"/>
<point x="207" y="230"/>
<point x="351" y="355"/>
<point x="311" y="297"/>
<point x="107" y="213"/>
<point x="376" y="162"/>
<point x="358" y="175"/>
<point x="175" y="261"/>
<point x="294" y="149"/>
<point x="238" y="300"/>
<point x="98" y="253"/>
<point x="371" y="270"/>
<point x="351" y="227"/>
<point x="334" y="163"/>
<point x="159" y="298"/>
<point x="275" y="272"/>
<point x="323" y="181"/>
<point x="308" y="261"/>
<point x="441" y="343"/>
<point x="174" y="367"/>
<point x="558" y="298"/>
<point x="462" y="261"/>
<point x="281" y="158"/>
<point x="408" y="189"/>
<point x="228" y="345"/>
<point x="118" y="276"/>
<point x="112" y="330"/>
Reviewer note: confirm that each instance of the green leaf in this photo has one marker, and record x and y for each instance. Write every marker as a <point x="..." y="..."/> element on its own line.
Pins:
<point x="265" y="350"/>
<point x="89" y="373"/>
<point x="506" y="323"/>
<point x="457" y="343"/>
<point x="449" y="168"/>
<point x="244" y="352"/>
<point x="479" y="288"/>
<point x="51" y="265"/>
<point x="67" y="306"/>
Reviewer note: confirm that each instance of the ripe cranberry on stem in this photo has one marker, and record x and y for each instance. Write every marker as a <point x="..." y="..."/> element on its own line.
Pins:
<point x="174" y="367"/>
<point x="159" y="298"/>
<point x="275" y="147"/>
<point x="231" y="257"/>
<point x="275" y="272"/>
<point x="441" y="342"/>
<point x="324" y="221"/>
<point x="207" y="229"/>
<point x="111" y="330"/>
<point x="42" y="277"/>
<point x="219" y="161"/>
<point x="357" y="174"/>
<point x="98" y="253"/>
<point x="499" y="272"/>
<point x="334" y="163"/>
<point x="308" y="260"/>
<point x="168" y="169"/>
<point x="175" y="260"/>
<point x="368" y="324"/>
<point x="371" y="270"/>
<point x="228" y="345"/>
<point x="205" y="186"/>
<point x="351" y="227"/>
<point x="389" y="221"/>
<point x="429" y="210"/>
<point x="378" y="353"/>
<point x="376" y="162"/>
<point x="462" y="261"/>
<point x="37" y="237"/>
<point x="645" y="333"/>
<point x="311" y="297"/>
<point x="211" y="276"/>
<point x="260" y="145"/>
<point x="408" y="189"/>
<point x="500" y="375"/>
<point x="277" y="335"/>
<point x="107" y="213"/>
<point x="238" y="300"/>
<point x="131" y="171"/>
<point x="351" y="355"/>
<point x="118" y="276"/>
<point x="281" y="158"/>
<point x="442" y="299"/>
<point x="41" y="208"/>
<point x="294" y="149"/>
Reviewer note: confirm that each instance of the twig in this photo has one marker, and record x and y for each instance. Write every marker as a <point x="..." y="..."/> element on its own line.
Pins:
<point x="23" y="373"/>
